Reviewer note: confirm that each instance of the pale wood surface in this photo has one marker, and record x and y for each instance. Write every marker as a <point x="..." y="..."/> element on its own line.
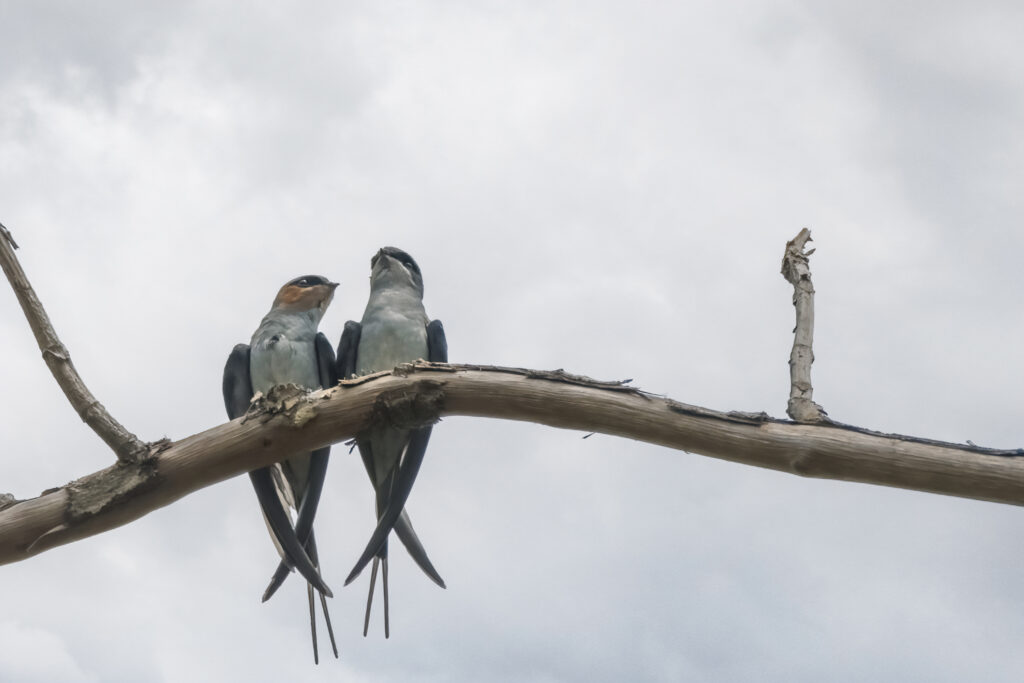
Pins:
<point x="289" y="421"/>
<point x="796" y="268"/>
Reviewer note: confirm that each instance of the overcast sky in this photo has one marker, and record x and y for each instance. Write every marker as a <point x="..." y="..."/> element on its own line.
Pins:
<point x="602" y="187"/>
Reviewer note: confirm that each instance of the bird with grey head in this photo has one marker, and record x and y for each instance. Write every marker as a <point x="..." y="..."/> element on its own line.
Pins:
<point x="286" y="348"/>
<point x="394" y="329"/>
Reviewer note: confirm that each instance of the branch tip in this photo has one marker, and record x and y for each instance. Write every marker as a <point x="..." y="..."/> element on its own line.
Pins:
<point x="7" y="236"/>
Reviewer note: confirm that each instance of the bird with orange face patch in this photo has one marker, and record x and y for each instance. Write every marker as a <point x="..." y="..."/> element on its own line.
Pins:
<point x="287" y="349"/>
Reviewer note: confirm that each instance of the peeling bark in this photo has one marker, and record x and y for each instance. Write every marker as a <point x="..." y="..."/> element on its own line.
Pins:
<point x="417" y="393"/>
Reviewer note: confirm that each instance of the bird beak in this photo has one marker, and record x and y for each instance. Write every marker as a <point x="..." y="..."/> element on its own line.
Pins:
<point x="332" y="285"/>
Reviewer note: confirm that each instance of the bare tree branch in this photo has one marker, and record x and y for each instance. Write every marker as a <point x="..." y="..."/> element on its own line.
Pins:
<point x="797" y="271"/>
<point x="126" y="445"/>
<point x="289" y="420"/>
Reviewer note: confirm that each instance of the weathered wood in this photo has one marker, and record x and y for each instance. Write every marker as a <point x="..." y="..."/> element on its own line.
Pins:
<point x="287" y="421"/>
<point x="797" y="271"/>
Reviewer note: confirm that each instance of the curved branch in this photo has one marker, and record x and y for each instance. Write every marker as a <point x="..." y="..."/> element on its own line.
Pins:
<point x="289" y="420"/>
<point x="126" y="445"/>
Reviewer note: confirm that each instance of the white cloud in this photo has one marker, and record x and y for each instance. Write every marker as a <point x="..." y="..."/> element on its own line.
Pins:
<point x="34" y="654"/>
<point x="603" y="189"/>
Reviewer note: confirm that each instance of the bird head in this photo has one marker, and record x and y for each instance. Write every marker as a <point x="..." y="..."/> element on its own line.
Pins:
<point x="306" y="293"/>
<point x="392" y="267"/>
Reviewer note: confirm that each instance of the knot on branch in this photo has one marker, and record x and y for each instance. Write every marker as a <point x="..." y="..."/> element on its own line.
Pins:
<point x="806" y="411"/>
<point x="98" y="492"/>
<point x="288" y="400"/>
<point x="56" y="351"/>
<point x="133" y="451"/>
<point x="409" y="408"/>
<point x="7" y="500"/>
<point x="155" y="448"/>
<point x="805" y="463"/>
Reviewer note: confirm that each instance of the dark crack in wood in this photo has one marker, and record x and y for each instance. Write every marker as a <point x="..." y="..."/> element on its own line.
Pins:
<point x="407" y="369"/>
<point x="735" y="416"/>
<point x="966" y="447"/>
<point x="363" y="379"/>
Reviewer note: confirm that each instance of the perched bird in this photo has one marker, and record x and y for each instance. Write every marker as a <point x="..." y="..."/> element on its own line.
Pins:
<point x="394" y="329"/>
<point x="287" y="349"/>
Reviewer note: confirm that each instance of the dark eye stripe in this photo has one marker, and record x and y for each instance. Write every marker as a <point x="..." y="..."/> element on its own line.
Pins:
<point x="403" y="257"/>
<point x="308" y="281"/>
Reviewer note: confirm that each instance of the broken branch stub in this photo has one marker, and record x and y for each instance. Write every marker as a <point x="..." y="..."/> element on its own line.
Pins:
<point x="797" y="271"/>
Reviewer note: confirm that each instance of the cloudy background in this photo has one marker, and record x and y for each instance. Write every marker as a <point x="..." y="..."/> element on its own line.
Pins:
<point x="601" y="187"/>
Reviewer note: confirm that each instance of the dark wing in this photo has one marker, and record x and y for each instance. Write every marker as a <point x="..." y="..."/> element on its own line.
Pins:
<point x="237" y="384"/>
<point x="409" y="467"/>
<point x="237" y="389"/>
<point x="437" y="343"/>
<point x="408" y="537"/>
<point x="325" y="362"/>
<point x="348" y="349"/>
<point x="437" y="352"/>
<point x="281" y="525"/>
<point x="317" y="474"/>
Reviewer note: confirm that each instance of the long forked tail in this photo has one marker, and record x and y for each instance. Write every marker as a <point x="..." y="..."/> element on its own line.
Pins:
<point x="312" y="622"/>
<point x="389" y="507"/>
<point x="327" y="619"/>
<point x="280" y="524"/>
<point x="307" y="511"/>
<point x="311" y="549"/>
<point x="382" y="563"/>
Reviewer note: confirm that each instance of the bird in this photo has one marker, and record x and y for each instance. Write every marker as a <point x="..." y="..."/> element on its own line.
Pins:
<point x="394" y="329"/>
<point x="286" y="348"/>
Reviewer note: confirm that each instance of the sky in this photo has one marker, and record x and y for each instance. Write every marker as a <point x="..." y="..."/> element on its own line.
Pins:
<point x="602" y="187"/>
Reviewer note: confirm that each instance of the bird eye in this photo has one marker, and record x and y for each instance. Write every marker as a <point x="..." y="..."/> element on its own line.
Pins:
<point x="408" y="264"/>
<point x="303" y="283"/>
